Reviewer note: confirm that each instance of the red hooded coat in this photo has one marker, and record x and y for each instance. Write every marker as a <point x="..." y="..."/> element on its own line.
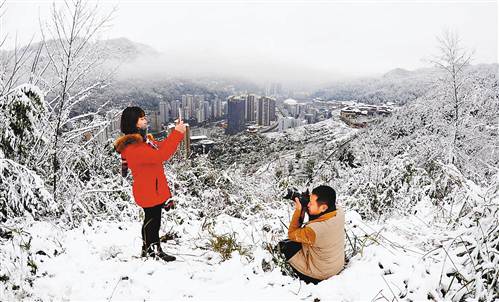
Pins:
<point x="150" y="187"/>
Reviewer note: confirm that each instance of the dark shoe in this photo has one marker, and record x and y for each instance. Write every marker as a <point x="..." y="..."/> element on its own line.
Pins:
<point x="156" y="252"/>
<point x="143" y="253"/>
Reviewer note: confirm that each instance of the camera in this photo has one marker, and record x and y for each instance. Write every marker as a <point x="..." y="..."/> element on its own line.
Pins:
<point x="304" y="197"/>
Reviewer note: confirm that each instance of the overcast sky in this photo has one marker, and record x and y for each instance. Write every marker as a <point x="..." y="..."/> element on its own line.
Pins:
<point x="348" y="38"/>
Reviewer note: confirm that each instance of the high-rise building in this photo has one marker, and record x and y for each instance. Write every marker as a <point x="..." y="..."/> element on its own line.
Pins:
<point x="115" y="120"/>
<point x="200" y="117"/>
<point x="291" y="106"/>
<point x="250" y="110"/>
<point x="198" y="101"/>
<point x="203" y="112"/>
<point x="272" y="115"/>
<point x="164" y="112"/>
<point x="213" y="110"/>
<point x="186" y="111"/>
<point x="265" y="110"/>
<point x="185" y="145"/>
<point x="154" y="121"/>
<point x="207" y="110"/>
<point x="110" y="131"/>
<point x="217" y="108"/>
<point x="188" y="104"/>
<point x="175" y="106"/>
<point x="235" y="116"/>
<point x="274" y="89"/>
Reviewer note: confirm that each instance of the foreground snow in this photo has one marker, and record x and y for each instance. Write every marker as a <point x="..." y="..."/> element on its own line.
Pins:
<point x="100" y="262"/>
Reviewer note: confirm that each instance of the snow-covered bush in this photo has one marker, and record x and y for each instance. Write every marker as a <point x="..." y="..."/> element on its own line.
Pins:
<point x="22" y="188"/>
<point x="23" y="192"/>
<point x="476" y="248"/>
<point x="93" y="187"/>
<point x="227" y="190"/>
<point x="402" y="158"/>
<point x="21" y="113"/>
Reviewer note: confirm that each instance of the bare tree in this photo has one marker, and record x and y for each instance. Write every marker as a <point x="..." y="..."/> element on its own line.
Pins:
<point x="453" y="59"/>
<point x="13" y="63"/>
<point x="68" y="41"/>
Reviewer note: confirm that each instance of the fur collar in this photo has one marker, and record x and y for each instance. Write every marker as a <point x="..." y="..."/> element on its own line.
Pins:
<point x="128" y="139"/>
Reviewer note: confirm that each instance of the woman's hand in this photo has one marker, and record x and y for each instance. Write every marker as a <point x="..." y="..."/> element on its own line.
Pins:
<point x="297" y="204"/>
<point x="180" y="126"/>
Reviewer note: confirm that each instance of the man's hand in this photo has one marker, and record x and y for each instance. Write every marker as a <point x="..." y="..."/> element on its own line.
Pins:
<point x="297" y="204"/>
<point x="180" y="126"/>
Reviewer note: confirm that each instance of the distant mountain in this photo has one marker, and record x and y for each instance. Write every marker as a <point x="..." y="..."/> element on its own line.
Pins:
<point x="110" y="53"/>
<point x="119" y="48"/>
<point x="396" y="73"/>
<point x="125" y="50"/>
<point x="398" y="85"/>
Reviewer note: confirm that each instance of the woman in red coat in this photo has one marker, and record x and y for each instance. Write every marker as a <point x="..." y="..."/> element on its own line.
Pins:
<point x="145" y="156"/>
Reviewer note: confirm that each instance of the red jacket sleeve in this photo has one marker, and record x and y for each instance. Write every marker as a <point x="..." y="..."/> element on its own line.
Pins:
<point x="168" y="146"/>
<point x="138" y="154"/>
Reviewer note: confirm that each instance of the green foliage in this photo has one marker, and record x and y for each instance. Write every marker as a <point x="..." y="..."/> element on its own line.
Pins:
<point x="225" y="244"/>
<point x="32" y="265"/>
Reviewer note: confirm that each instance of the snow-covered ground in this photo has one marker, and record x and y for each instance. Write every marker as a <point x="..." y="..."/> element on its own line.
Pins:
<point x="100" y="261"/>
<point x="411" y="256"/>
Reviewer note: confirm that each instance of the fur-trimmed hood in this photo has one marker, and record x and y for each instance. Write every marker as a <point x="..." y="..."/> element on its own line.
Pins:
<point x="128" y="139"/>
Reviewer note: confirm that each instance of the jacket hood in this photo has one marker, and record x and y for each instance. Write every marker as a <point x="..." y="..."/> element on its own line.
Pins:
<point x="128" y="139"/>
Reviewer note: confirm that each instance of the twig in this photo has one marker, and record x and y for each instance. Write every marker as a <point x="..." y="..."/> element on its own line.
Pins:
<point x="112" y="294"/>
<point x="374" y="299"/>
<point x="395" y="297"/>
<point x="465" y="285"/>
<point x="468" y="251"/>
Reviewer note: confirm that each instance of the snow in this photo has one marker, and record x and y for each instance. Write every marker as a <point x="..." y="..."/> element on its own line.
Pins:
<point x="100" y="261"/>
<point x="433" y="233"/>
<point x="333" y="126"/>
<point x="409" y="256"/>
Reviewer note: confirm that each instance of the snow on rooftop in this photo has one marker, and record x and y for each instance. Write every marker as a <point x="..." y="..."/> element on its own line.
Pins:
<point x="198" y="137"/>
<point x="290" y="102"/>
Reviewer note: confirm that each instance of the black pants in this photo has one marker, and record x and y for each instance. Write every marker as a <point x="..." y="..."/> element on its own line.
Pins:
<point x="152" y="222"/>
<point x="289" y="249"/>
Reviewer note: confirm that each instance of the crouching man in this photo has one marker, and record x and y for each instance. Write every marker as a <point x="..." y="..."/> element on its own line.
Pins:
<point x="316" y="250"/>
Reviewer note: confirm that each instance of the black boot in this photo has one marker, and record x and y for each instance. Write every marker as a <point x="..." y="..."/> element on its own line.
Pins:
<point x="143" y="253"/>
<point x="156" y="252"/>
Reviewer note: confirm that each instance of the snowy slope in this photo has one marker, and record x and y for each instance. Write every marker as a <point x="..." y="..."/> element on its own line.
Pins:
<point x="100" y="262"/>
<point x="415" y="256"/>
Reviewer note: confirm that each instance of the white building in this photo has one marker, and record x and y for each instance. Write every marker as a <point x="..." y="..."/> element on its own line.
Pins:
<point x="289" y="122"/>
<point x="291" y="106"/>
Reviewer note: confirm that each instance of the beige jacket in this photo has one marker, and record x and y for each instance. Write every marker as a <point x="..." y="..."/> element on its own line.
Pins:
<point x="323" y="245"/>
